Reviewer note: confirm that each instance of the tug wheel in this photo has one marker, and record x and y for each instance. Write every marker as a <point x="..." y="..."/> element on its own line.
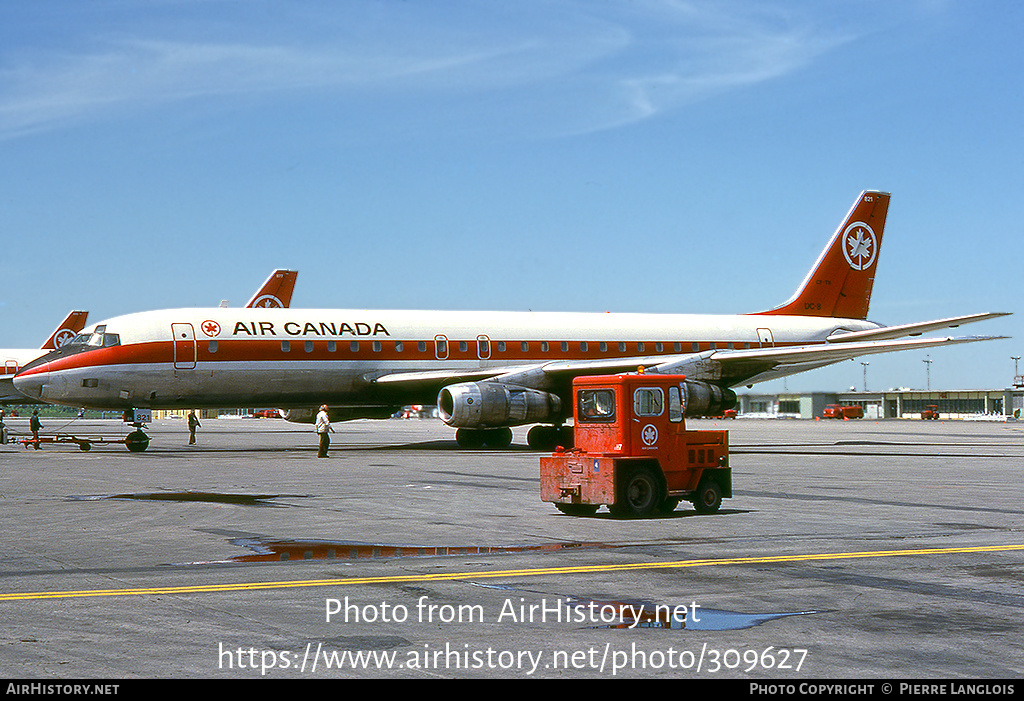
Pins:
<point x="669" y="505"/>
<point x="638" y="493"/>
<point x="708" y="498"/>
<point x="577" y="509"/>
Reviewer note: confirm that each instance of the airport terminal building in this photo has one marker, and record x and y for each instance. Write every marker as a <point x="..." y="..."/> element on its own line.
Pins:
<point x="890" y="404"/>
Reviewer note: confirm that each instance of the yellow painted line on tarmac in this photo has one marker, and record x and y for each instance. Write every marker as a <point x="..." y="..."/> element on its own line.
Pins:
<point x="535" y="572"/>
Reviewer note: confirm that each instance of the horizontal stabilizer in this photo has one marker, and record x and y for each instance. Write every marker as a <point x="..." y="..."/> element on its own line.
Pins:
<point x="915" y="329"/>
<point x="835" y="352"/>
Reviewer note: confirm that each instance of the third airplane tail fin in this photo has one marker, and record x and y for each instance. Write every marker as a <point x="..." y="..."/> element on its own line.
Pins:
<point x="839" y="284"/>
<point x="276" y="291"/>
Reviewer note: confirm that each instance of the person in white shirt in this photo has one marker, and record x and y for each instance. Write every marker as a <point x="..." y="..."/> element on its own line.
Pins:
<point x="323" y="428"/>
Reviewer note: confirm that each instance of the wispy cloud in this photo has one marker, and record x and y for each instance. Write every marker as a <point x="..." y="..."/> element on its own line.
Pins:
<point x="593" y="66"/>
<point x="690" y="51"/>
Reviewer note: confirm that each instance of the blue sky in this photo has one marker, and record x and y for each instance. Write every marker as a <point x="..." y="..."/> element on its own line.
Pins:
<point x="689" y="156"/>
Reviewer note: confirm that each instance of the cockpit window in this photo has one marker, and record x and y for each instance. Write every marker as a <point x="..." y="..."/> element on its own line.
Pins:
<point x="99" y="338"/>
<point x="96" y="338"/>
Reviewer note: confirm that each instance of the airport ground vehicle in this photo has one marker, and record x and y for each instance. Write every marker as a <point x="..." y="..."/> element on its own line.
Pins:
<point x="840" y="411"/>
<point x="930" y="412"/>
<point x="136" y="441"/>
<point x="633" y="452"/>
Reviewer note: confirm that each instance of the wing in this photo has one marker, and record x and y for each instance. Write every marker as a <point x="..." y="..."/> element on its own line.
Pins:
<point x="726" y="368"/>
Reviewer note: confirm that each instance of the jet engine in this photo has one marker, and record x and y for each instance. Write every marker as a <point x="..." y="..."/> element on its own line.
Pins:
<point x="482" y="404"/>
<point x="704" y="399"/>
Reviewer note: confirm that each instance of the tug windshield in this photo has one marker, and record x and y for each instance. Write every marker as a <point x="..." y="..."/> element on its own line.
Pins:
<point x="596" y="404"/>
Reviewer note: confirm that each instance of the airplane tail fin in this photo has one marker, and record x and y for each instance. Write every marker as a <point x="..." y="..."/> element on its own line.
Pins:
<point x="68" y="329"/>
<point x="839" y="284"/>
<point x="276" y="291"/>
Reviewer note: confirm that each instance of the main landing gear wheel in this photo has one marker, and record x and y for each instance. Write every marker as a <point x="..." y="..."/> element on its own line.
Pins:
<point x="136" y="441"/>
<point x="639" y="493"/>
<point x="549" y="437"/>
<point x="500" y="437"/>
<point x="469" y="438"/>
<point x="708" y="498"/>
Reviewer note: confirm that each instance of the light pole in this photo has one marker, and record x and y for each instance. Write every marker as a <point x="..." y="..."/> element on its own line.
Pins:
<point x="928" y="364"/>
<point x="1017" y="381"/>
<point x="865" y="375"/>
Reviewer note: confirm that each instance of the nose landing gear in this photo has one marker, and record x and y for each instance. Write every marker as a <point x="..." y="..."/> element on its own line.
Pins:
<point x="137" y="441"/>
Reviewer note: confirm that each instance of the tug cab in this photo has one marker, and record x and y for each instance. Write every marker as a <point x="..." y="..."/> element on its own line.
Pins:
<point x="633" y="452"/>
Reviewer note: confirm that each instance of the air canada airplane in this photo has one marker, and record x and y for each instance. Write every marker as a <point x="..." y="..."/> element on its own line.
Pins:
<point x="16" y="358"/>
<point x="486" y="371"/>
<point x="276" y="291"/>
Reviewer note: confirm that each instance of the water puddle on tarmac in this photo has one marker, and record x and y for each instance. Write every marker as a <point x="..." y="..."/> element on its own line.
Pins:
<point x="645" y="614"/>
<point x="700" y="618"/>
<point x="208" y="497"/>
<point x="282" y="550"/>
<point x="618" y="613"/>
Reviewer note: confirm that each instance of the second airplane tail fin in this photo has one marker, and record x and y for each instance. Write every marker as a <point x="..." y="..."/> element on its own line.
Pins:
<point x="276" y="291"/>
<point x="67" y="330"/>
<point x="839" y="284"/>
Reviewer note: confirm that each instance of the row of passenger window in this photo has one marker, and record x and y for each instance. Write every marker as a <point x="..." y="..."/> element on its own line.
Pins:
<point x="483" y="348"/>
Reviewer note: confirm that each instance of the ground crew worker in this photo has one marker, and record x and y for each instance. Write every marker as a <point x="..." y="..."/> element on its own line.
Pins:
<point x="193" y="424"/>
<point x="323" y="427"/>
<point x="34" y="426"/>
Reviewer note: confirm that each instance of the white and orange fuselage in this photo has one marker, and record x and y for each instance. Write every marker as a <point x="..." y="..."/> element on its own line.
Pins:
<point x="293" y="357"/>
<point x="484" y="369"/>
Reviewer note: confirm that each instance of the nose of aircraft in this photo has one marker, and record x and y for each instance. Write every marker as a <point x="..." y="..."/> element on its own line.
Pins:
<point x="31" y="381"/>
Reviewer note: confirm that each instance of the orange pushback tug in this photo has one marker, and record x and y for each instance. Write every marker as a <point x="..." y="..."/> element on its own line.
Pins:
<point x="633" y="453"/>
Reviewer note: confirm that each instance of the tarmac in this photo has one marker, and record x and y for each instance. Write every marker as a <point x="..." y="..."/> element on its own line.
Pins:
<point x="850" y="550"/>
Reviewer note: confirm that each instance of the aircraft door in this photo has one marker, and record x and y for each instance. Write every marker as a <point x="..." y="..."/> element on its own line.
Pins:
<point x="765" y="337"/>
<point x="184" y="346"/>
